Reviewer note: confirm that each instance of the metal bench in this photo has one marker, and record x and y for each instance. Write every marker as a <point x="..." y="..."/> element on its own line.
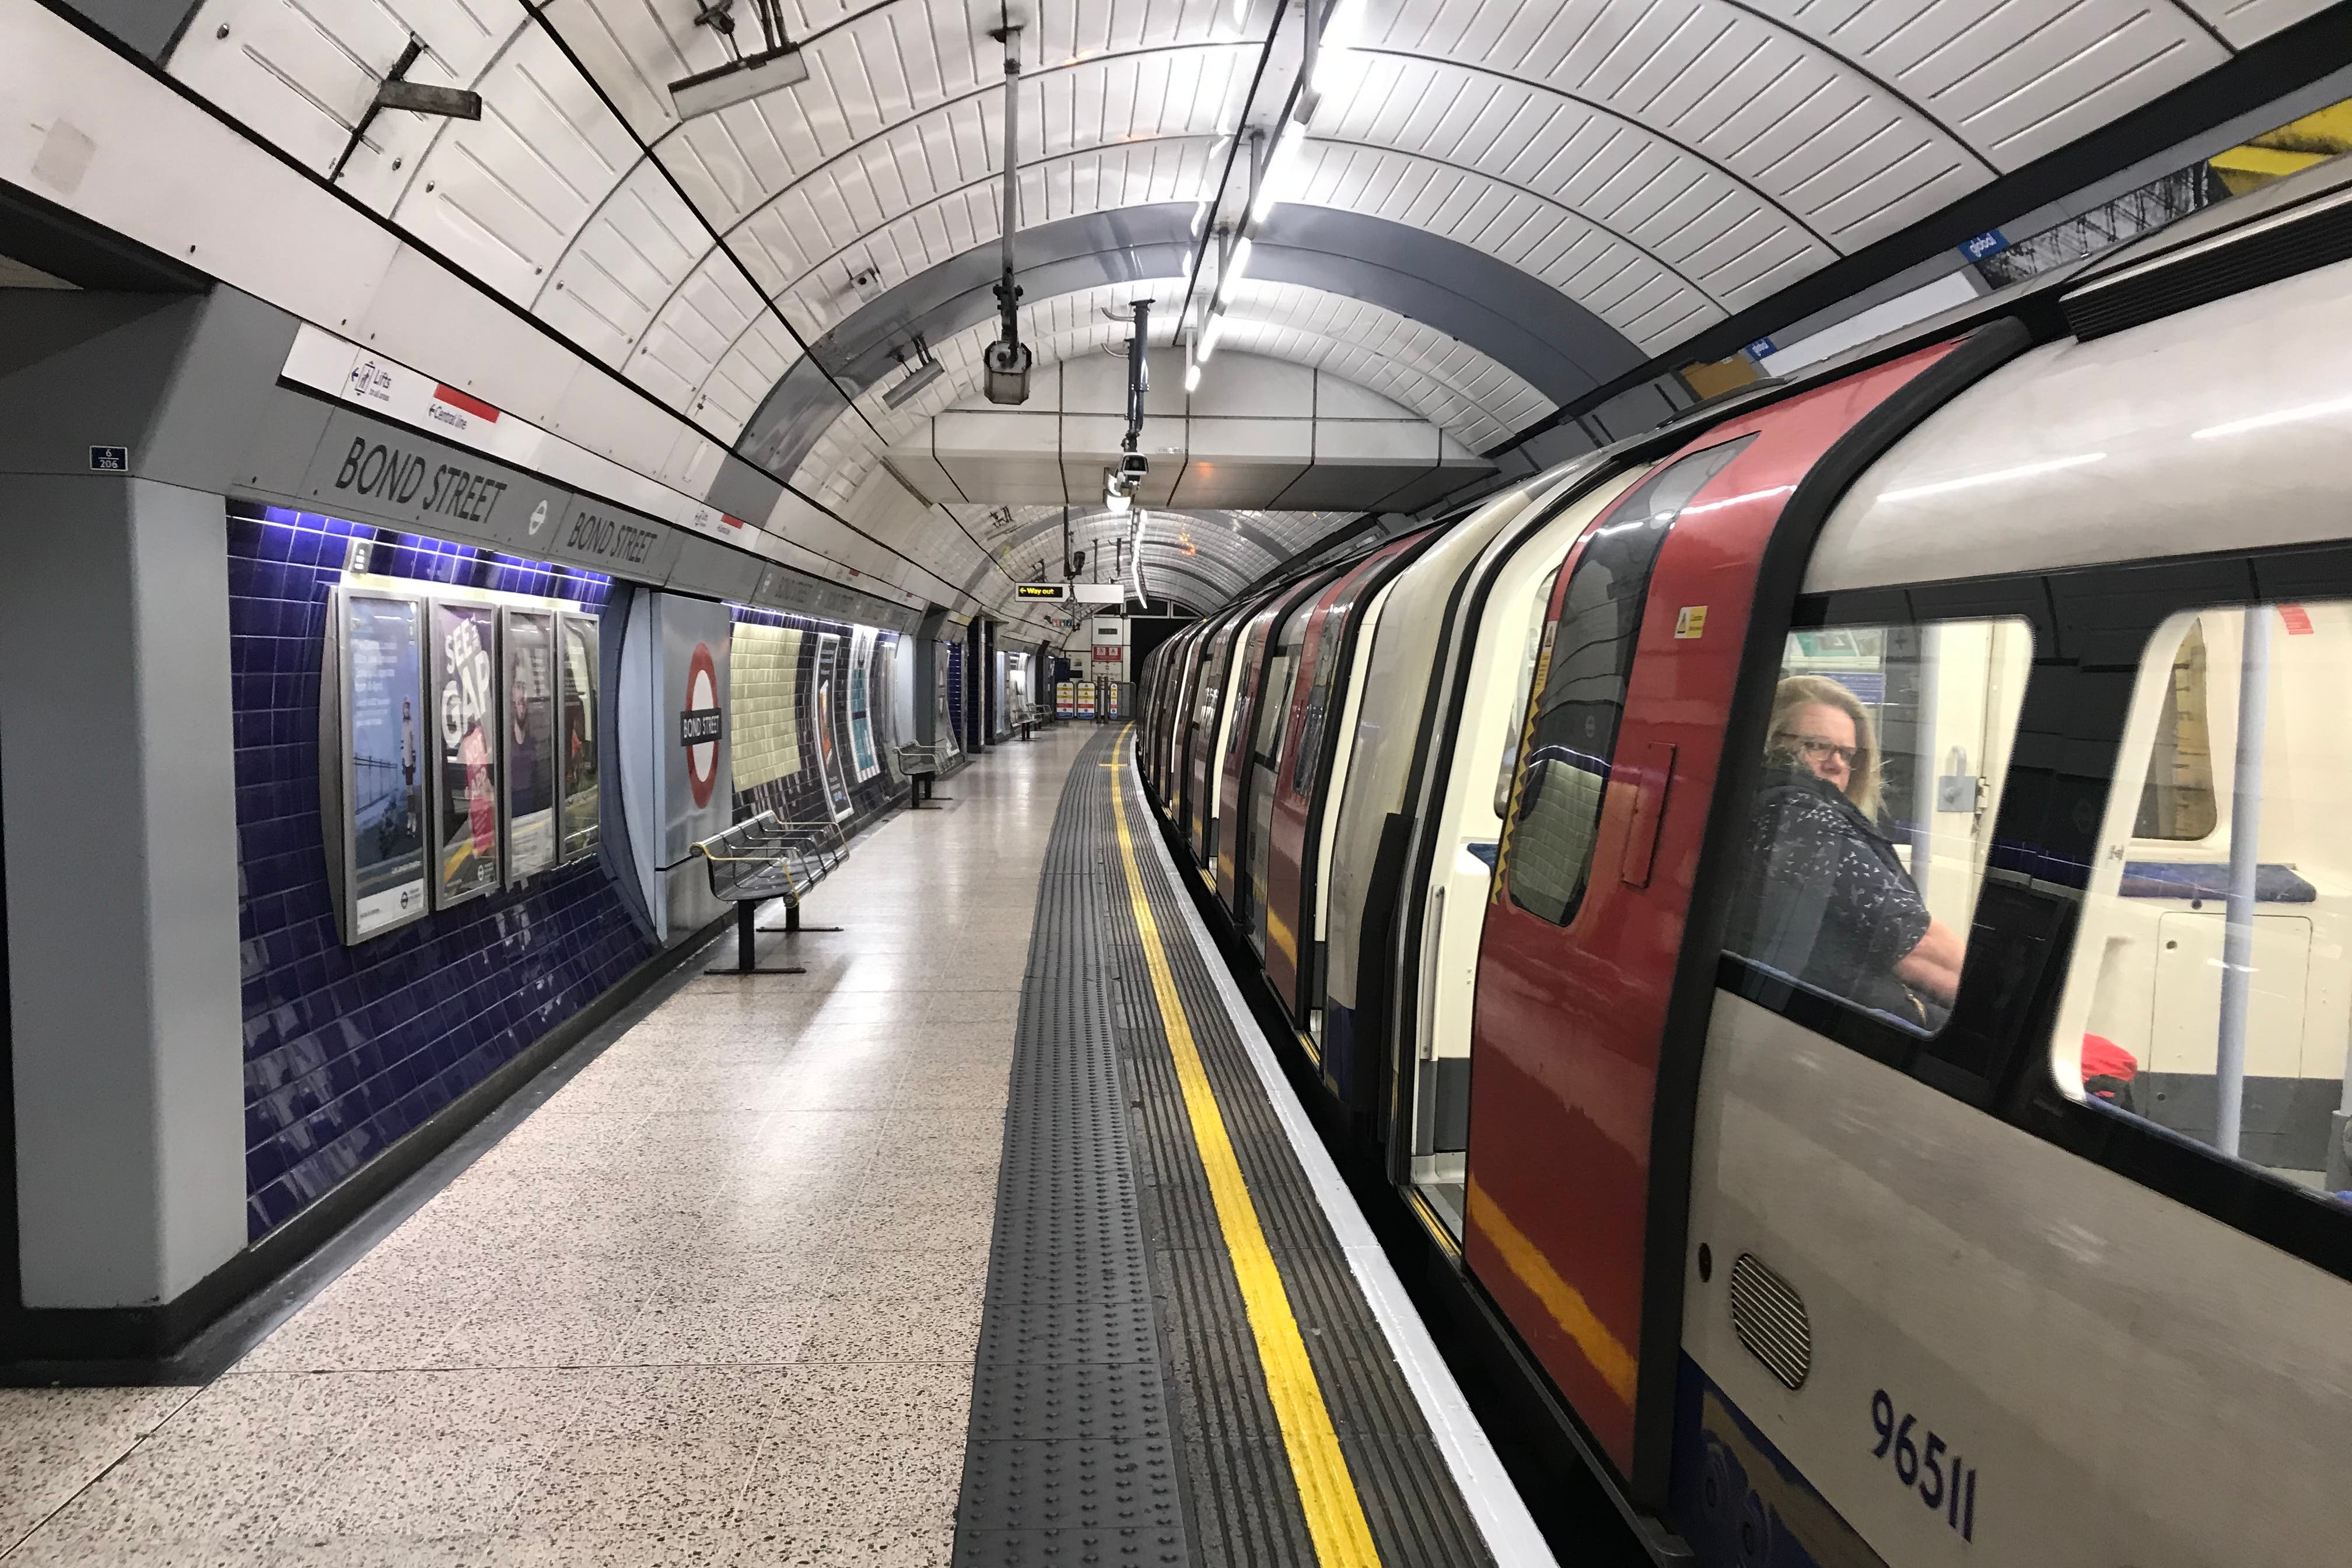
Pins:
<point x="921" y="766"/>
<point x="767" y="857"/>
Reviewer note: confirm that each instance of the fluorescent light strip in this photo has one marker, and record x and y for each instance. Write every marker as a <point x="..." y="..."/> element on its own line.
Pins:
<point x="1997" y="476"/>
<point x="2284" y="417"/>
<point x="1236" y="264"/>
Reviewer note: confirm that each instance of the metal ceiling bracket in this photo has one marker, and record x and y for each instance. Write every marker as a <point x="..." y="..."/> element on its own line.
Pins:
<point x="394" y="92"/>
<point x="1006" y="361"/>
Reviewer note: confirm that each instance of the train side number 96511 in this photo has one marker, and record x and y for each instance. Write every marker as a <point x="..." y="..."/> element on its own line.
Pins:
<point x="1925" y="1462"/>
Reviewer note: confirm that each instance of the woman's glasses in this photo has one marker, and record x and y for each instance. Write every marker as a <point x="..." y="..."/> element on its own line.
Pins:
<point x="1815" y="749"/>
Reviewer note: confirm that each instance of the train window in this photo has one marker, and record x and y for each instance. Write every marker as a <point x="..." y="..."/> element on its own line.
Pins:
<point x="1867" y="838"/>
<point x="2208" y="988"/>
<point x="1585" y="662"/>
<point x="1318" y="692"/>
<point x="2178" y="801"/>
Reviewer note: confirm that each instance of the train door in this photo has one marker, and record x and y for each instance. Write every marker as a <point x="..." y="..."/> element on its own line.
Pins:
<point x="1188" y="697"/>
<point x="1577" y="1171"/>
<point x="1284" y="676"/>
<point x="1503" y="623"/>
<point x="1300" y="786"/>
<point x="1269" y="651"/>
<point x="1182" y="669"/>
<point x="1213" y="718"/>
<point x="1393" y="691"/>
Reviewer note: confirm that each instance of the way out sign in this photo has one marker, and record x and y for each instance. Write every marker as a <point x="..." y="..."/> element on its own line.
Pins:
<point x="1041" y="590"/>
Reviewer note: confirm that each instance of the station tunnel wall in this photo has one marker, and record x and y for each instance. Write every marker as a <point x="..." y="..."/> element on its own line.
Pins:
<point x="350" y="1048"/>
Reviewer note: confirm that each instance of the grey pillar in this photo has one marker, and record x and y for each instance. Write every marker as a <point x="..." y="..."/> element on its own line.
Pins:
<point x="927" y="677"/>
<point x="118" y="786"/>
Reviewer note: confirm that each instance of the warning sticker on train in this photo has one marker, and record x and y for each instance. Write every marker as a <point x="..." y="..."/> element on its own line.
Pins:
<point x="700" y="725"/>
<point x="1690" y="621"/>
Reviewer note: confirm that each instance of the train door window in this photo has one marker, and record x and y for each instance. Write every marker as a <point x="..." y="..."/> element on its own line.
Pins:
<point x="1866" y="840"/>
<point x="1582" y="668"/>
<point x="2209" y="986"/>
<point x="1266" y="763"/>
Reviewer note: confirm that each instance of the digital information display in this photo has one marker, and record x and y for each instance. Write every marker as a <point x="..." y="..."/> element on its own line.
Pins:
<point x="527" y="729"/>
<point x="385" y="732"/>
<point x="581" y="824"/>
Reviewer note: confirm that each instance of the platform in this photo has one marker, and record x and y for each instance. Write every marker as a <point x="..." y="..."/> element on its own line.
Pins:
<point x="730" y="1282"/>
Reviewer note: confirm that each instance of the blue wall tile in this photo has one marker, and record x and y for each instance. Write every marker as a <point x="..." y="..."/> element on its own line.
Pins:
<point x="349" y="1048"/>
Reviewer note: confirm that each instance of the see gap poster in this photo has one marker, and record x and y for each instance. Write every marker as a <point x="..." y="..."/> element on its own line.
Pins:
<point x="465" y="751"/>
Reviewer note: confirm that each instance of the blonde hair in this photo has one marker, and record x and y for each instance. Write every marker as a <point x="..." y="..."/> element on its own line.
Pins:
<point x="1798" y="692"/>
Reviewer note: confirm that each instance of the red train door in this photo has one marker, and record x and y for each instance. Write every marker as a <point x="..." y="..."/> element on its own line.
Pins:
<point x="1243" y="748"/>
<point x="1636" y="683"/>
<point x="1302" y="790"/>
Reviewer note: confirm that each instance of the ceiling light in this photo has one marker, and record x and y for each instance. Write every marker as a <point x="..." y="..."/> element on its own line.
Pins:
<point x="738" y="81"/>
<point x="1191" y="378"/>
<point x="1339" y="26"/>
<point x="1209" y="336"/>
<point x="1277" y="163"/>
<point x="1236" y="263"/>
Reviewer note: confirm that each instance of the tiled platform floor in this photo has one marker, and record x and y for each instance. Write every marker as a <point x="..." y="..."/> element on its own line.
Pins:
<point x="717" y="1301"/>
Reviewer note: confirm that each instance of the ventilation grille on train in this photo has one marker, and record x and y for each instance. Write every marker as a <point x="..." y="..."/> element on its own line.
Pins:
<point x="1771" y="1318"/>
<point x="2298" y="239"/>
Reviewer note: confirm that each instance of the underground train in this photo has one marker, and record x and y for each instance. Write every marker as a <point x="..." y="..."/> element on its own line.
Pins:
<point x="1834" y="919"/>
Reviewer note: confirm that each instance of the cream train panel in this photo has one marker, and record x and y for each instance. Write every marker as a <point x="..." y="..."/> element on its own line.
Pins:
<point x="1396" y="691"/>
<point x="1207" y="811"/>
<point x="1502" y="669"/>
<point x="1343" y="752"/>
<point x="2133" y="1381"/>
<point x="2124" y="448"/>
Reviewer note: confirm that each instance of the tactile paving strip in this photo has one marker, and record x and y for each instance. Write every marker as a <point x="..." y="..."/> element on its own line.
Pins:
<point x="1245" y="1508"/>
<point x="1120" y="1413"/>
<point x="1071" y="1453"/>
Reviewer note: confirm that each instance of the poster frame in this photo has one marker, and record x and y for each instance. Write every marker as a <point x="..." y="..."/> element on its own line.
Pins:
<point x="442" y="899"/>
<point x="592" y="838"/>
<point x="860" y="704"/>
<point x="347" y="892"/>
<point x="511" y="874"/>
<point x="830" y="688"/>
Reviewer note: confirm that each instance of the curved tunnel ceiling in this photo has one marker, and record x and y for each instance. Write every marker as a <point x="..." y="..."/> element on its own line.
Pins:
<point x="1201" y="557"/>
<point x="1564" y="190"/>
<point x="1539" y="334"/>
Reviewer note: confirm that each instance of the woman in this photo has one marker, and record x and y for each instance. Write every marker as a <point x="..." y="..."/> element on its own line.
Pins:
<point x="1826" y="899"/>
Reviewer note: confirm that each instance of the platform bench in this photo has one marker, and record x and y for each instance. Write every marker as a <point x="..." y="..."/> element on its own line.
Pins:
<point x="768" y="857"/>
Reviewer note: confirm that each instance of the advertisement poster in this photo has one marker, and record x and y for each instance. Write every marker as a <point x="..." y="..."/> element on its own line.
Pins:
<point x="576" y="743"/>
<point x="828" y="752"/>
<point x="763" y="673"/>
<point x="861" y="709"/>
<point x="527" y="728"/>
<point x="384" y="730"/>
<point x="465" y="753"/>
<point x="943" y="692"/>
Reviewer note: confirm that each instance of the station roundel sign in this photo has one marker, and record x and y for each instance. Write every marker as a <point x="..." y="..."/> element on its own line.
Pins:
<point x="702" y="698"/>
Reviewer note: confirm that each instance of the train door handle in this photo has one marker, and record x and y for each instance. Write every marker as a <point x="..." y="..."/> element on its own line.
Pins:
<point x="1653" y="763"/>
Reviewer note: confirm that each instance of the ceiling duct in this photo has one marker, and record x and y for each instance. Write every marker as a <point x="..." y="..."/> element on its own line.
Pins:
<point x="776" y="64"/>
<point x="1006" y="361"/>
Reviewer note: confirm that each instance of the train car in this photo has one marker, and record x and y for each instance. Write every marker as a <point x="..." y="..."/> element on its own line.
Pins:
<point x="1294" y="855"/>
<point x="1864" y="1002"/>
<point x="1205" y="741"/>
<point x="1268" y="652"/>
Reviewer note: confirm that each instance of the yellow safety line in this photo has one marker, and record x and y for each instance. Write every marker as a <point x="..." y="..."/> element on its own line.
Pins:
<point x="1335" y="1516"/>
